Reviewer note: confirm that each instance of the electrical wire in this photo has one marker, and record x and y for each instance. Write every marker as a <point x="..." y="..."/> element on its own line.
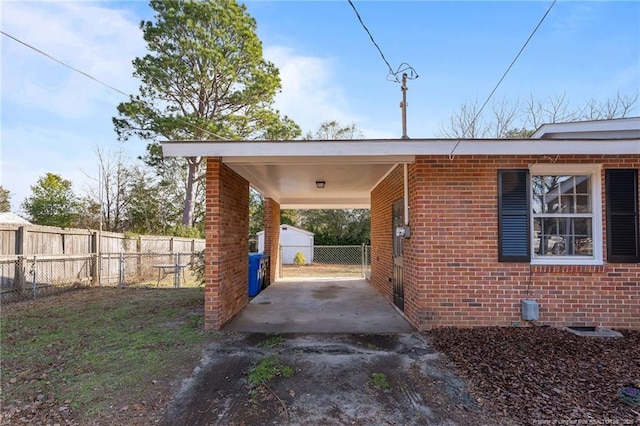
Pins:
<point x="403" y="68"/>
<point x="504" y="75"/>
<point x="115" y="89"/>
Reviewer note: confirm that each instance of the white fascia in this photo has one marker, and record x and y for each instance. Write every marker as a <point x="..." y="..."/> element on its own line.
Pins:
<point x="394" y="151"/>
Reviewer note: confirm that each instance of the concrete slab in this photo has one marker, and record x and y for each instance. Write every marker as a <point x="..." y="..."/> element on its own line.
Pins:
<point x="332" y="381"/>
<point x="320" y="306"/>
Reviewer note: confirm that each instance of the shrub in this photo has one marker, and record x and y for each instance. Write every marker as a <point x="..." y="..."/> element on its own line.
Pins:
<point x="299" y="259"/>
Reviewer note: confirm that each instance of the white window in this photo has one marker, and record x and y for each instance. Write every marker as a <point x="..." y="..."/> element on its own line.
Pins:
<point x="566" y="225"/>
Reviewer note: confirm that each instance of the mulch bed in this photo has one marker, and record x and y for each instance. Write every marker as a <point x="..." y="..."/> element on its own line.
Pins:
<point x="543" y="375"/>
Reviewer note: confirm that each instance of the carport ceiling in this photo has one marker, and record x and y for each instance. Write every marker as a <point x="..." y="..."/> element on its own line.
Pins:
<point x="291" y="181"/>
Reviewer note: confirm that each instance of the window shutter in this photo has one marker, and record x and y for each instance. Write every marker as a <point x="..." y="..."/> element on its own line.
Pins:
<point x="514" y="243"/>
<point x="622" y="216"/>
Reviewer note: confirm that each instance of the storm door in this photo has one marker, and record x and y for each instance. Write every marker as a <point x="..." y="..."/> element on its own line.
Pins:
<point x="398" y="242"/>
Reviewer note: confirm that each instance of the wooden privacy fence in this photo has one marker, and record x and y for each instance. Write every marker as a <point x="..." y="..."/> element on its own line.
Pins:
<point x="39" y="259"/>
<point x="49" y="240"/>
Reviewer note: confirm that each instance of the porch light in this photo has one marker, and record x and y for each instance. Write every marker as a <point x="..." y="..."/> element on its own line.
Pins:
<point x="320" y="184"/>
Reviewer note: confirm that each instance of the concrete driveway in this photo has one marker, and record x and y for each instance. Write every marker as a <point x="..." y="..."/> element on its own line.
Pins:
<point x="319" y="306"/>
<point x="350" y="357"/>
<point x="332" y="379"/>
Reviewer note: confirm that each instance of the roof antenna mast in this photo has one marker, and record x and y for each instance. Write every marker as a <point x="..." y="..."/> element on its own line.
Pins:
<point x="403" y="106"/>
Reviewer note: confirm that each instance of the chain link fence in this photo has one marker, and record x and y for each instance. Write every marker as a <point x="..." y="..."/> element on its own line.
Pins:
<point x="31" y="277"/>
<point x="324" y="261"/>
<point x="158" y="269"/>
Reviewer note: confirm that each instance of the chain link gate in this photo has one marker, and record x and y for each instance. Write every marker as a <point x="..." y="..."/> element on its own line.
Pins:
<point x="324" y="261"/>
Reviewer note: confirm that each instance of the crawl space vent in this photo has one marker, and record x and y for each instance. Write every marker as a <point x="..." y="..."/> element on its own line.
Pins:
<point x="592" y="331"/>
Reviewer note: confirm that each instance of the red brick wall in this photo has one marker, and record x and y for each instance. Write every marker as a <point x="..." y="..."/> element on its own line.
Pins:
<point x="226" y="255"/>
<point x="272" y="236"/>
<point x="452" y="276"/>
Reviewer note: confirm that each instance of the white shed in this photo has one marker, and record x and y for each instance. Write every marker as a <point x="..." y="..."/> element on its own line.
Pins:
<point x="293" y="241"/>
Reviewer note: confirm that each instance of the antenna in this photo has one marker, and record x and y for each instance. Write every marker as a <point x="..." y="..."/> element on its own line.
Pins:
<point x="403" y="105"/>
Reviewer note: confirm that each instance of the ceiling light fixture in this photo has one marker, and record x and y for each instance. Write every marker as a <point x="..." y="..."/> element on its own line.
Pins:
<point x="320" y="184"/>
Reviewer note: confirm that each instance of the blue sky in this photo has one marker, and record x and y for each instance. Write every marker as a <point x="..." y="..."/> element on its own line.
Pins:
<point x="52" y="120"/>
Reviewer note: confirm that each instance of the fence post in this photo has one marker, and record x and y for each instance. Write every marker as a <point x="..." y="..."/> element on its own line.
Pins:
<point x="99" y="268"/>
<point x="176" y="271"/>
<point x="33" y="271"/>
<point x="363" y="254"/>
<point x="280" y="261"/>
<point x="108" y="269"/>
<point x="21" y="240"/>
<point x="139" y="256"/>
<point x="121" y="272"/>
<point x="95" y="268"/>
<point x="20" y="279"/>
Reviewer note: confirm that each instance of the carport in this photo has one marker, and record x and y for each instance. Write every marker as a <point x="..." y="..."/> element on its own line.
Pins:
<point x="290" y="175"/>
<point x="466" y="259"/>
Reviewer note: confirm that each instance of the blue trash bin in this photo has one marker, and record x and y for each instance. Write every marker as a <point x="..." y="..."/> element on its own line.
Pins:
<point x="255" y="274"/>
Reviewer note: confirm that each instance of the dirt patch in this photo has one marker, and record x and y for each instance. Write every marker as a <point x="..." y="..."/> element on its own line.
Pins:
<point x="321" y="270"/>
<point x="332" y="383"/>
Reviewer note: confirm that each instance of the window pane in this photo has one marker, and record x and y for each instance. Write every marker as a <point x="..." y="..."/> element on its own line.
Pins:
<point x="583" y="238"/>
<point x="583" y="204"/>
<point x="548" y="238"/>
<point x="537" y="185"/>
<point x="567" y="203"/>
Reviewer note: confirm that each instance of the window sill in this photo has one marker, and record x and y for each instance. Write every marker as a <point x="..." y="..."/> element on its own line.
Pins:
<point x="566" y="261"/>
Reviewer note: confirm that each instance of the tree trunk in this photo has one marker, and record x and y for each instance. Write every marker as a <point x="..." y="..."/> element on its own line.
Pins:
<point x="193" y="164"/>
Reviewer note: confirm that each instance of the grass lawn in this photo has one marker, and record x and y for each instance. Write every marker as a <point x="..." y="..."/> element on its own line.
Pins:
<point x="98" y="356"/>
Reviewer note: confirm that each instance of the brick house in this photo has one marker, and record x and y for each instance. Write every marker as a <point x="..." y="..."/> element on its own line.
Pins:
<point x="461" y="230"/>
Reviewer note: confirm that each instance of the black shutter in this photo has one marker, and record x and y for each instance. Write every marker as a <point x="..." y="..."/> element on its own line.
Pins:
<point x="622" y="216"/>
<point x="514" y="243"/>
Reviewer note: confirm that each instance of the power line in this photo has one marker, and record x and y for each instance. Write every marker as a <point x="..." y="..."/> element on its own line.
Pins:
<point x="451" y="154"/>
<point x="403" y="68"/>
<point x="115" y="89"/>
<point x="63" y="64"/>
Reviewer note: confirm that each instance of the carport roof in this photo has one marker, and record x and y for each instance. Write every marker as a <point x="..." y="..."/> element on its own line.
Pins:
<point x="287" y="171"/>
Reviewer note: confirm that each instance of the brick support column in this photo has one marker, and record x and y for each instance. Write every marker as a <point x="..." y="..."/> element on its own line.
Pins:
<point x="272" y="236"/>
<point x="227" y="246"/>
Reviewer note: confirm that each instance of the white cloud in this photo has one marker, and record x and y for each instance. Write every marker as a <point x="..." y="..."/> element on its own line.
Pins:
<point x="575" y="18"/>
<point x="97" y="40"/>
<point x="309" y="94"/>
